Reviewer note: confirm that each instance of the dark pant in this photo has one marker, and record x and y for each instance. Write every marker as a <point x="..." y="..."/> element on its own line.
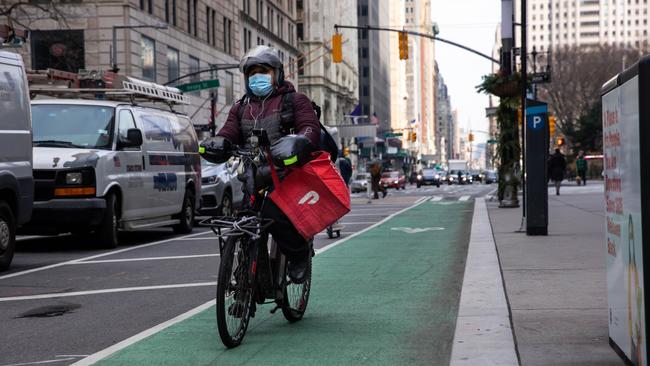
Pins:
<point x="583" y="176"/>
<point x="291" y="243"/>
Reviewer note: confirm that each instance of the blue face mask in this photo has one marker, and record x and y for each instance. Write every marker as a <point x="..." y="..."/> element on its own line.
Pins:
<point x="260" y="84"/>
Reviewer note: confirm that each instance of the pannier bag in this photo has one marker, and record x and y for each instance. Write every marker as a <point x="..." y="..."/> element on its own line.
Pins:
<point x="313" y="196"/>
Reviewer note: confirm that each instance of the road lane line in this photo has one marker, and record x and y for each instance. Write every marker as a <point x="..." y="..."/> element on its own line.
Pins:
<point x="142" y="335"/>
<point x="105" y="291"/>
<point x="151" y="331"/>
<point x="38" y="269"/>
<point x="464" y="198"/>
<point x="40" y="362"/>
<point x="436" y="198"/>
<point x="358" y="223"/>
<point x="146" y="259"/>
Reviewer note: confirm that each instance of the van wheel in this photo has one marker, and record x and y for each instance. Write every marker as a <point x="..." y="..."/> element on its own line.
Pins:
<point x="7" y="236"/>
<point x="107" y="233"/>
<point x="186" y="215"/>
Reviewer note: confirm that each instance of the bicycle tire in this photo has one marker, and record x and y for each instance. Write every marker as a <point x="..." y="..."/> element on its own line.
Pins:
<point x="226" y="290"/>
<point x="294" y="307"/>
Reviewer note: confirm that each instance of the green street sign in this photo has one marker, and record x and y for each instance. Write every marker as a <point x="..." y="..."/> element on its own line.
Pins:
<point x="390" y="134"/>
<point x="199" y="85"/>
<point x="492" y="141"/>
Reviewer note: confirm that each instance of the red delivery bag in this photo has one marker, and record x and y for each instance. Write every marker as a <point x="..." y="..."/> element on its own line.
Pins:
<point x="313" y="196"/>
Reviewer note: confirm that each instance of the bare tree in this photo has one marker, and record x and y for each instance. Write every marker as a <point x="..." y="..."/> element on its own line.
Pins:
<point x="24" y="14"/>
<point x="578" y="74"/>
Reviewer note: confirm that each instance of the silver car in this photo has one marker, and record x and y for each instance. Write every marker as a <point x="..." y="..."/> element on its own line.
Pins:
<point x="359" y="182"/>
<point x="221" y="191"/>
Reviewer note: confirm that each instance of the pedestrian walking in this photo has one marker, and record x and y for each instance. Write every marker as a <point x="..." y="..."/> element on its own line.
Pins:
<point x="345" y="168"/>
<point x="581" y="168"/>
<point x="556" y="169"/>
<point x="375" y="174"/>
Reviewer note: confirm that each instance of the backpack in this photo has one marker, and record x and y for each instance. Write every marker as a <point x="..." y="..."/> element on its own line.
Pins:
<point x="327" y="142"/>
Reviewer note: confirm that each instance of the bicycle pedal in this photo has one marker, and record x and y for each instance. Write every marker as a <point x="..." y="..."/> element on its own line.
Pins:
<point x="275" y="309"/>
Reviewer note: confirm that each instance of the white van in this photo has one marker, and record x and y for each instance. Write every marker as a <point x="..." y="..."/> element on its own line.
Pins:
<point x="102" y="166"/>
<point x="16" y="182"/>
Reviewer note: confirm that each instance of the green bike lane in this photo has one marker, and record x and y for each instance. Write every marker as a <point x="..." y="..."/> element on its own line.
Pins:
<point x="387" y="296"/>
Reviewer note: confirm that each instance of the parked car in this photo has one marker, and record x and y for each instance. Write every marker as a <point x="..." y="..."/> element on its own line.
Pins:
<point x="428" y="177"/>
<point x="459" y="177"/>
<point x="393" y="179"/>
<point x="16" y="181"/>
<point x="490" y="176"/>
<point x="221" y="191"/>
<point x="102" y="166"/>
<point x="360" y="182"/>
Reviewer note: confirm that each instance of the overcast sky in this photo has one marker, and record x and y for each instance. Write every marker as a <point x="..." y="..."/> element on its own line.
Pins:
<point x="471" y="23"/>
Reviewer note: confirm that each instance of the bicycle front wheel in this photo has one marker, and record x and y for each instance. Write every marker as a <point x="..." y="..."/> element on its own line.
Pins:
<point x="296" y="296"/>
<point x="234" y="295"/>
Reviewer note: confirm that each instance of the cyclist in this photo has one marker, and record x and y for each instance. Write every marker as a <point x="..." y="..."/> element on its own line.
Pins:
<point x="261" y="107"/>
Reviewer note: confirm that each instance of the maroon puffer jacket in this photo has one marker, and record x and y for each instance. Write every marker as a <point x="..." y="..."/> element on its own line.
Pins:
<point x="305" y="121"/>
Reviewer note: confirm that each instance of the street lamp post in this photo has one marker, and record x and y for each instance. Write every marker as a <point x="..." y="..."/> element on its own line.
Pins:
<point x="114" y="40"/>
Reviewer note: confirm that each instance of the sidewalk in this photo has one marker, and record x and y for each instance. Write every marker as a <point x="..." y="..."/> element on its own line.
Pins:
<point x="556" y="284"/>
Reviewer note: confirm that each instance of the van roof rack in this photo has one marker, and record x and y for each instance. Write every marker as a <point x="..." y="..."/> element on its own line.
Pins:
<point x="103" y="85"/>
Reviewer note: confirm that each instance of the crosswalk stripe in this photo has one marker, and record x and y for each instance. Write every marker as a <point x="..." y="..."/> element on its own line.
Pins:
<point x="436" y="199"/>
<point x="464" y="198"/>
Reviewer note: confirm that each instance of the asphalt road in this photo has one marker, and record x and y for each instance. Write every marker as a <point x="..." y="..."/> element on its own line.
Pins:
<point x="63" y="300"/>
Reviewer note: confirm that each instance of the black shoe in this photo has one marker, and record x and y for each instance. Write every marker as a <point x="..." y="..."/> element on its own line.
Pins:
<point x="385" y="193"/>
<point x="298" y="271"/>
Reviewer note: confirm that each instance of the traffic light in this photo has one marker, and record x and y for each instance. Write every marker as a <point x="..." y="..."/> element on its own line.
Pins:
<point x="551" y="125"/>
<point x="346" y="151"/>
<point x="337" y="48"/>
<point x="414" y="137"/>
<point x="519" y="116"/>
<point x="470" y="137"/>
<point x="403" y="46"/>
<point x="560" y="141"/>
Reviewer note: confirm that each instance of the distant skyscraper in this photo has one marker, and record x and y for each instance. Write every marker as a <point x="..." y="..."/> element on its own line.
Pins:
<point x="374" y="82"/>
<point x="558" y="23"/>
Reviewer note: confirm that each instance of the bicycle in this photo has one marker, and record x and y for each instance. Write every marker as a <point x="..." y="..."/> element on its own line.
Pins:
<point x="251" y="271"/>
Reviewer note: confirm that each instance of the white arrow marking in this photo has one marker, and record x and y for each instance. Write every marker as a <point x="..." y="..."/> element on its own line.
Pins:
<point x="415" y="230"/>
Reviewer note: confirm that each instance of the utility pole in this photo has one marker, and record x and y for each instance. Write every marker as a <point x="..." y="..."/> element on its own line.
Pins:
<point x="523" y="52"/>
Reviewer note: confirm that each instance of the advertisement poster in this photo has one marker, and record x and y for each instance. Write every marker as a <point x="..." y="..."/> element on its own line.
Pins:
<point x="623" y="219"/>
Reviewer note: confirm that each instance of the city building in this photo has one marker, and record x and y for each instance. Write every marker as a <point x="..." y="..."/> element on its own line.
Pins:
<point x="333" y="86"/>
<point x="197" y="34"/>
<point x="493" y="101"/>
<point x="398" y="93"/>
<point x="272" y="23"/>
<point x="558" y="23"/>
<point x="445" y="129"/>
<point x="420" y="76"/>
<point x="374" y="81"/>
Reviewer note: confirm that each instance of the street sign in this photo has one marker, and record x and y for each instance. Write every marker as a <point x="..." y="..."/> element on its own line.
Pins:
<point x="199" y="85"/>
<point x="541" y="77"/>
<point x="393" y="134"/>
<point x="492" y="141"/>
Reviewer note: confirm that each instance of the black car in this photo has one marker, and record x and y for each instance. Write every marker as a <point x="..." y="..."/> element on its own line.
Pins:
<point x="490" y="176"/>
<point x="428" y="176"/>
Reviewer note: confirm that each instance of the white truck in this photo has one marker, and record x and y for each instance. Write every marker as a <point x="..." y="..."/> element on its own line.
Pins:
<point x="457" y="165"/>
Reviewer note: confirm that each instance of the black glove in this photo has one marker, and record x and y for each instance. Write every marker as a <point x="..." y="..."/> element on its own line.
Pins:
<point x="216" y="149"/>
<point x="291" y="150"/>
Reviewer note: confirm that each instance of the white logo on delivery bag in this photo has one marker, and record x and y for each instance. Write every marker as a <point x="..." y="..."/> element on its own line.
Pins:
<point x="311" y="196"/>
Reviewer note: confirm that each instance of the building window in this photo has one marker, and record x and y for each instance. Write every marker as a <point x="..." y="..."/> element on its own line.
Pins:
<point x="227" y="35"/>
<point x="301" y="65"/>
<point x="208" y="23"/>
<point x="148" y="58"/>
<point x="173" y="67"/>
<point x="246" y="6"/>
<point x="301" y="35"/>
<point x="270" y="18"/>
<point x="167" y="15"/>
<point x="194" y="67"/>
<point x="174" y="12"/>
<point x="229" y="88"/>
<point x="58" y="49"/>
<point x="260" y="11"/>
<point x="246" y="45"/>
<point x="195" y="23"/>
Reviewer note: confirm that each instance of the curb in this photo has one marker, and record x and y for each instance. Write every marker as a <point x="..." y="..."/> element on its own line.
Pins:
<point x="483" y="329"/>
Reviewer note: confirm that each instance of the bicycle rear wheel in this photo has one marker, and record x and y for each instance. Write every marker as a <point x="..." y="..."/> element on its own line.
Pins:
<point x="296" y="296"/>
<point x="234" y="295"/>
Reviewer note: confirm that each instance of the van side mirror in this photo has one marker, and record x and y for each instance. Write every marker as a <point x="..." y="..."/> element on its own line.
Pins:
<point x="133" y="139"/>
